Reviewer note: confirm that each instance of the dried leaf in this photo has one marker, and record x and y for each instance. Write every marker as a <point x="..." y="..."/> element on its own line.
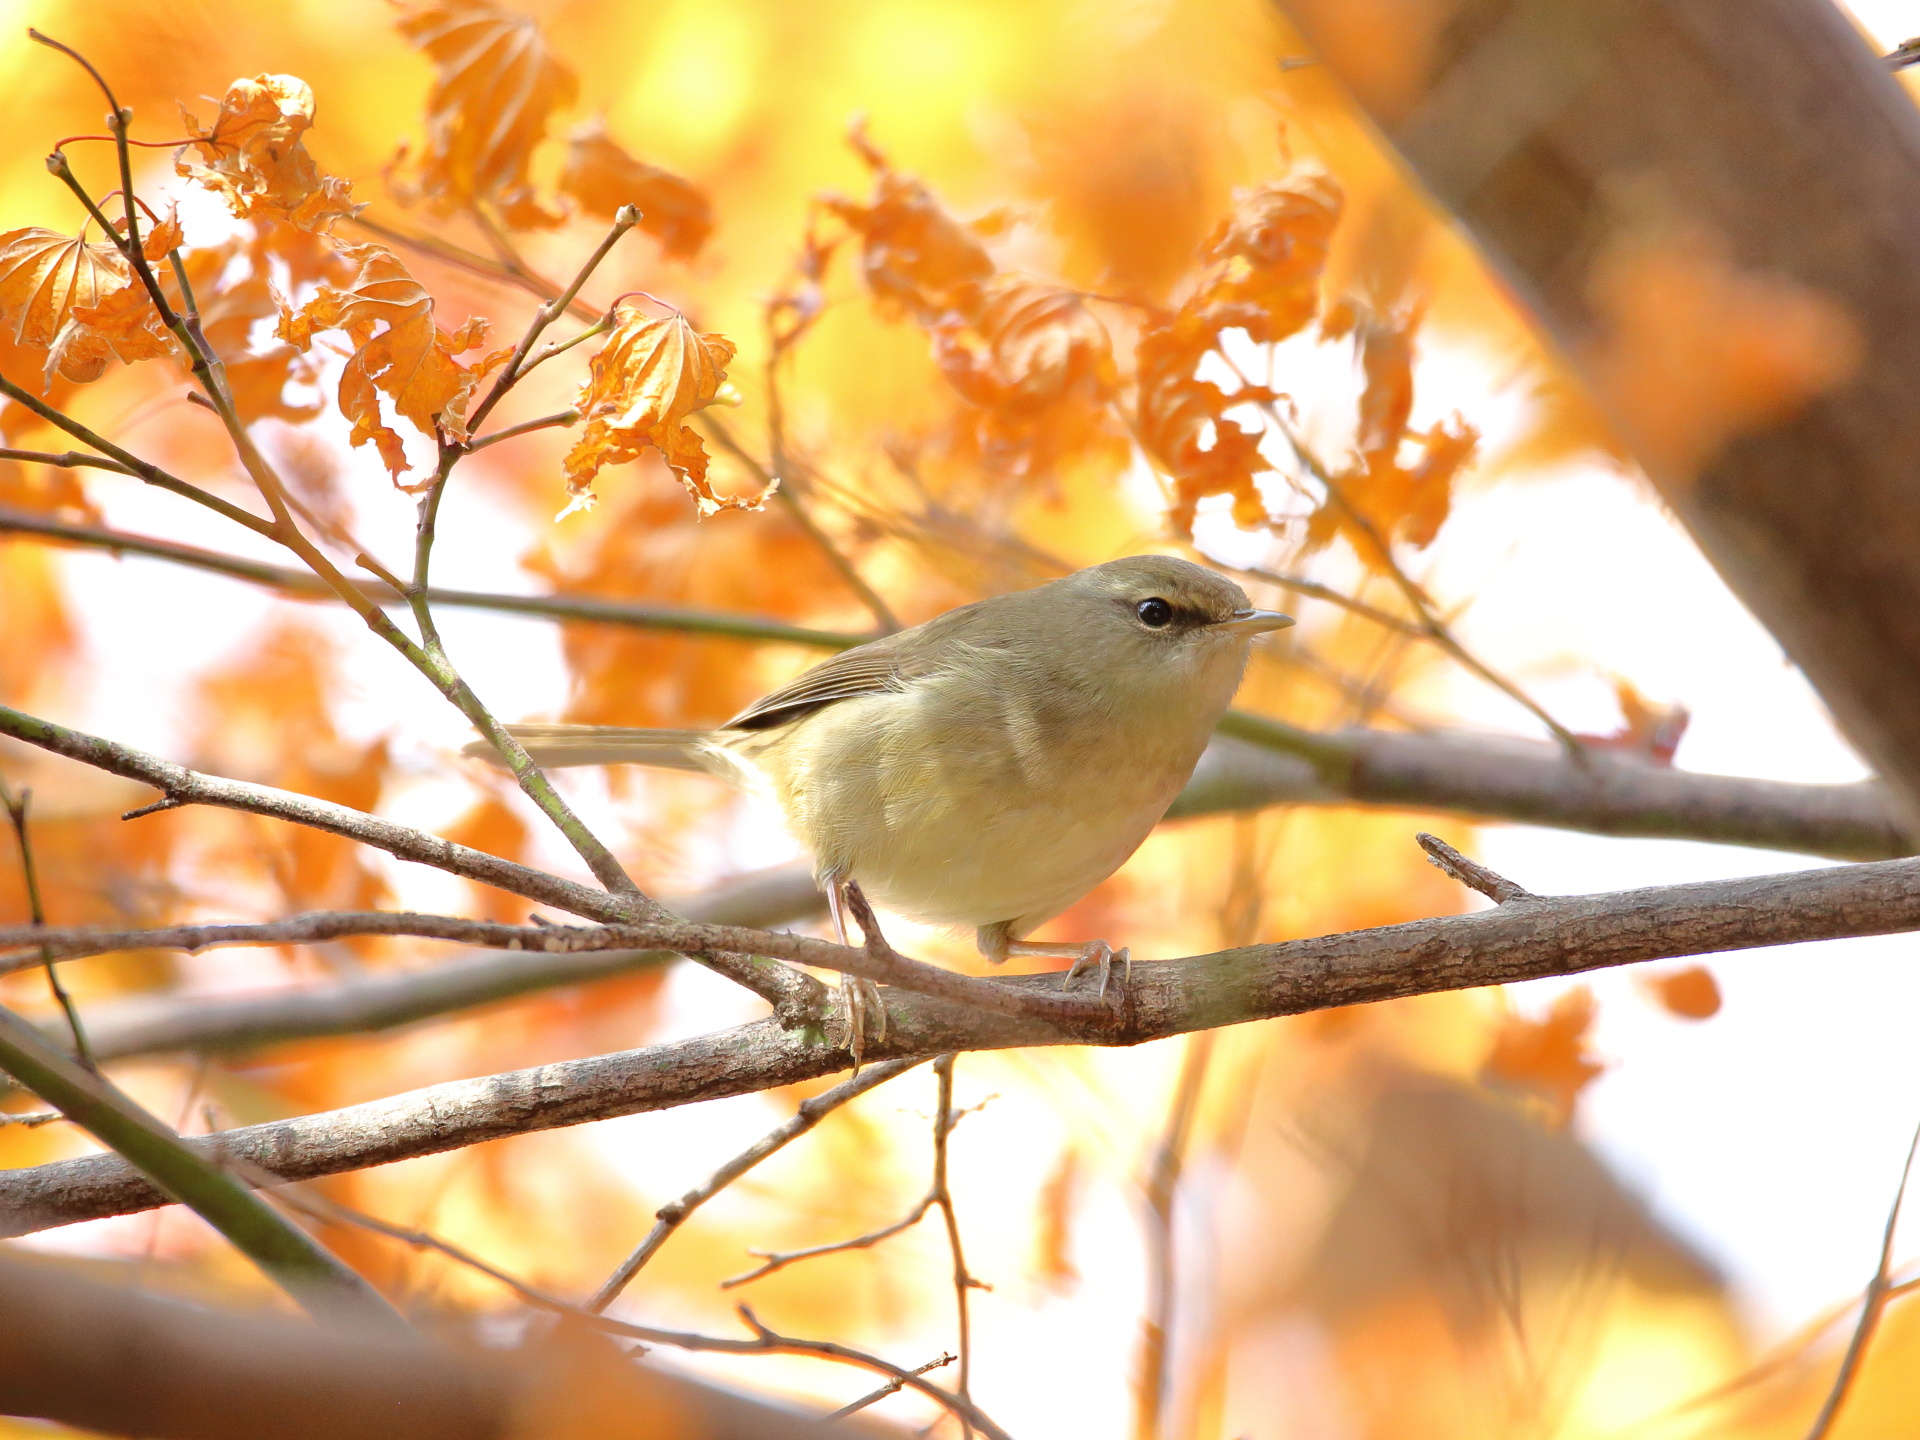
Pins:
<point x="1183" y="426"/>
<point x="1689" y="994"/>
<point x="497" y="88"/>
<point x="44" y="274"/>
<point x="649" y="376"/>
<point x="398" y="350"/>
<point x="1265" y="260"/>
<point x="1549" y="1056"/>
<point x="124" y="326"/>
<point x="254" y="155"/>
<point x="1039" y="365"/>
<point x="603" y="177"/>
<point x="914" y="255"/>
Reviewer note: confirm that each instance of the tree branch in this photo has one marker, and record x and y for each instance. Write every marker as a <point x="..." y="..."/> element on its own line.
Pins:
<point x="376" y="1002"/>
<point x="795" y="997"/>
<point x="1555" y="935"/>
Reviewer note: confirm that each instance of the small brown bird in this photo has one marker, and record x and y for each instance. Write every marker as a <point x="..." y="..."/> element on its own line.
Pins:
<point x="990" y="767"/>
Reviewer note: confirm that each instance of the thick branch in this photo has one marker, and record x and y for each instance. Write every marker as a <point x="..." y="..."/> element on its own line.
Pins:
<point x="1521" y="940"/>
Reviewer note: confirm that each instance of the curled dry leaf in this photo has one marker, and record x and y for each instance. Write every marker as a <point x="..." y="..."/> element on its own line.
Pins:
<point x="1262" y="275"/>
<point x="1182" y="423"/>
<point x="492" y="100"/>
<point x="1398" y="497"/>
<point x="398" y="350"/>
<point x="78" y="301"/>
<point x="914" y="255"/>
<point x="233" y="283"/>
<point x="254" y="155"/>
<point x="1648" y="731"/>
<point x="1039" y="365"/>
<point x="650" y="375"/>
<point x="603" y="177"/>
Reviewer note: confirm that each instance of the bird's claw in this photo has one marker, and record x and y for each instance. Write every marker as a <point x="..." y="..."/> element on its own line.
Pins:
<point x="1099" y="955"/>
<point x="864" y="1015"/>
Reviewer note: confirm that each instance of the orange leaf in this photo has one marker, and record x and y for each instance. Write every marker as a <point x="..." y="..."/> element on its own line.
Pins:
<point x="603" y="177"/>
<point x="1038" y="363"/>
<point x="1651" y="732"/>
<point x="1264" y="262"/>
<point x="1549" y="1056"/>
<point x="1690" y="994"/>
<point x="124" y="326"/>
<point x="1183" y="425"/>
<point x="44" y="274"/>
<point x="650" y="375"/>
<point x="254" y="155"/>
<point x="399" y="350"/>
<point x="496" y="91"/>
<point x="914" y="254"/>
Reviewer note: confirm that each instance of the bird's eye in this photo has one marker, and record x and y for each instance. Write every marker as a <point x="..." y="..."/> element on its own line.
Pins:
<point x="1154" y="613"/>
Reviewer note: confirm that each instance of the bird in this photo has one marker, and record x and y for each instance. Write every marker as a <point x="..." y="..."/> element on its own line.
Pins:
<point x="989" y="767"/>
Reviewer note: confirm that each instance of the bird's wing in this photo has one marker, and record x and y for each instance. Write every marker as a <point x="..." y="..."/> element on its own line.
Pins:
<point x="888" y="663"/>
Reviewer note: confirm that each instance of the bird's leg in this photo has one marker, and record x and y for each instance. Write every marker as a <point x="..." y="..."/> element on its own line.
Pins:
<point x="859" y="998"/>
<point x="1094" y="955"/>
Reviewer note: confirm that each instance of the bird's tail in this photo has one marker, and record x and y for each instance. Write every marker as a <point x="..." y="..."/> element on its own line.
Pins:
<point x="556" y="745"/>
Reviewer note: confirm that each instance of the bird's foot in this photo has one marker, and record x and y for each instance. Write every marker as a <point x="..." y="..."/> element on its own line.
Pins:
<point x="864" y="1017"/>
<point x="1096" y="955"/>
<point x="861" y="1007"/>
<point x="1100" y="956"/>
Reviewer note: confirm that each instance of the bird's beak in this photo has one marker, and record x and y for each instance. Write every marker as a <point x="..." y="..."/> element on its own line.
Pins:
<point x="1255" y="622"/>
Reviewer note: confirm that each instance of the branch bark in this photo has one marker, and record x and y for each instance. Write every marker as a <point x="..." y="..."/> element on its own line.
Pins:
<point x="1564" y="132"/>
<point x="1520" y="940"/>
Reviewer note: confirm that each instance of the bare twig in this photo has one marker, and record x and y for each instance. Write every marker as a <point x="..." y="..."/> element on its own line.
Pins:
<point x="69" y="460"/>
<point x="940" y="1194"/>
<point x="382" y="1000"/>
<point x="879" y="963"/>
<point x="305" y="584"/>
<point x="545" y="422"/>
<point x="674" y="1214"/>
<point x="868" y="596"/>
<point x="765" y="1341"/>
<point x="1555" y="935"/>
<point x="1163" y="1184"/>
<point x="1872" y="1305"/>
<point x="780" y="1259"/>
<point x="1471" y="873"/>
<point x="892" y="1387"/>
<point x="30" y="1120"/>
<point x="1314" y="590"/>
<point x="16" y="808"/>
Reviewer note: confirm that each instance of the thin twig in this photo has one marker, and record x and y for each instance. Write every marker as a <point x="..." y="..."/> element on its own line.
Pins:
<point x="1163" y="1185"/>
<point x="30" y="1120"/>
<point x="305" y="584"/>
<point x="16" y="807"/>
<point x="779" y="1259"/>
<point x="676" y="1213"/>
<point x="1432" y="625"/>
<point x="892" y="1387"/>
<point x="879" y="963"/>
<point x="1314" y="590"/>
<point x="1872" y="1305"/>
<point x="764" y="1341"/>
<point x="69" y="460"/>
<point x="560" y="418"/>
<point x="941" y="1195"/>
<point x="1471" y="873"/>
